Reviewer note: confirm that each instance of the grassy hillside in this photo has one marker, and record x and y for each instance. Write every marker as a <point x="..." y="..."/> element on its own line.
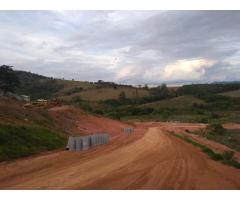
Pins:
<point x="193" y="103"/>
<point x="181" y="102"/>
<point x="21" y="141"/>
<point x="26" y="131"/>
<point x="12" y="112"/>
<point x="99" y="93"/>
<point x="37" y="86"/>
<point x="230" y="138"/>
<point x="71" y="87"/>
<point x="180" y="108"/>
<point x="185" y="108"/>
<point x="215" y="131"/>
<point x="234" y="93"/>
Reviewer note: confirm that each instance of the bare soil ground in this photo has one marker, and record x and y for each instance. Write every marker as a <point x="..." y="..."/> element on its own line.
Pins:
<point x="76" y="122"/>
<point x="180" y="128"/>
<point x="151" y="158"/>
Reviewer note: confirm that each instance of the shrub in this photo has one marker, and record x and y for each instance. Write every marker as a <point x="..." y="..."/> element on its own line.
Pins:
<point x="85" y="106"/>
<point x="215" y="127"/>
<point x="204" y="120"/>
<point x="216" y="156"/>
<point x="76" y="99"/>
<point x="74" y="90"/>
<point x="99" y="112"/>
<point x="233" y="163"/>
<point x="228" y="155"/>
<point x="114" y="115"/>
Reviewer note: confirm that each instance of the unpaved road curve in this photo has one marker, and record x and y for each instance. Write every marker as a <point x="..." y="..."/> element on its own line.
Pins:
<point x="155" y="160"/>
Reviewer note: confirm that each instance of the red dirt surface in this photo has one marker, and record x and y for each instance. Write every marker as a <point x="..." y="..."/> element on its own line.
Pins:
<point x="150" y="158"/>
<point x="76" y="122"/>
<point x="180" y="128"/>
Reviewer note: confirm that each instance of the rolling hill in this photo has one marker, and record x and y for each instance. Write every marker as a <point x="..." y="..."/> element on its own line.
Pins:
<point x="180" y="102"/>
<point x="190" y="103"/>
<point x="38" y="86"/>
<point x="234" y="93"/>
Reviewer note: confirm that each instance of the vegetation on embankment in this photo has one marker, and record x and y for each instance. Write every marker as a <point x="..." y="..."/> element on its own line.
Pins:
<point x="27" y="131"/>
<point x="232" y="93"/>
<point x="22" y="141"/>
<point x="12" y="112"/>
<point x="216" y="132"/>
<point x="227" y="157"/>
<point x="230" y="138"/>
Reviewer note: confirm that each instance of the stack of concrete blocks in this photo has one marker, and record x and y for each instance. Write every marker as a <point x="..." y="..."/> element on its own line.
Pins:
<point x="71" y="145"/>
<point x="81" y="143"/>
<point x="128" y="130"/>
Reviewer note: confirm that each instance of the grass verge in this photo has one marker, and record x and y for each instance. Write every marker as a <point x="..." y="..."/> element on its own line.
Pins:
<point x="226" y="157"/>
<point x="22" y="141"/>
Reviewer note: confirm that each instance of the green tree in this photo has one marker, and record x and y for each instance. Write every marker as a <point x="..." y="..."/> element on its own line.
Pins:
<point x="8" y="79"/>
<point x="215" y="128"/>
<point x="145" y="86"/>
<point x="164" y="90"/>
<point x="161" y="91"/>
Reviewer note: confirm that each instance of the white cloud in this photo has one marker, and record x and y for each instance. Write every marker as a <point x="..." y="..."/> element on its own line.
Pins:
<point x="125" y="73"/>
<point x="192" y="69"/>
<point x="134" y="47"/>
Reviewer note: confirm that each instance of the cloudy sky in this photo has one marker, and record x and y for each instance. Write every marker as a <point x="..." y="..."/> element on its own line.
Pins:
<point x="131" y="47"/>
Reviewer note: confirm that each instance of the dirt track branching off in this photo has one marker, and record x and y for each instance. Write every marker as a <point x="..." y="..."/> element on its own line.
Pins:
<point x="226" y="157"/>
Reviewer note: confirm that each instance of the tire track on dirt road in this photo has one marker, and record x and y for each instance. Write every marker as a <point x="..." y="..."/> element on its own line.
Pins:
<point x="172" y="164"/>
<point x="153" y="160"/>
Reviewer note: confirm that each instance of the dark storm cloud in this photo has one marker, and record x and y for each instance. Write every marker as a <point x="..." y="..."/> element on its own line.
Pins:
<point x="125" y="46"/>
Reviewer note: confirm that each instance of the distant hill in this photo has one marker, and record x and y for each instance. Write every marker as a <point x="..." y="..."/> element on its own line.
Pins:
<point x="233" y="93"/>
<point x="179" y="102"/>
<point x="193" y="102"/>
<point x="38" y="86"/>
<point x="226" y="82"/>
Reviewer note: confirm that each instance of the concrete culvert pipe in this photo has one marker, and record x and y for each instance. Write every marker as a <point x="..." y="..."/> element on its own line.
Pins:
<point x="85" y="142"/>
<point x="78" y="143"/>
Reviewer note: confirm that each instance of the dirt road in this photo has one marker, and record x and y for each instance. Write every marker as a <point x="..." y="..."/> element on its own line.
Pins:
<point x="150" y="160"/>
